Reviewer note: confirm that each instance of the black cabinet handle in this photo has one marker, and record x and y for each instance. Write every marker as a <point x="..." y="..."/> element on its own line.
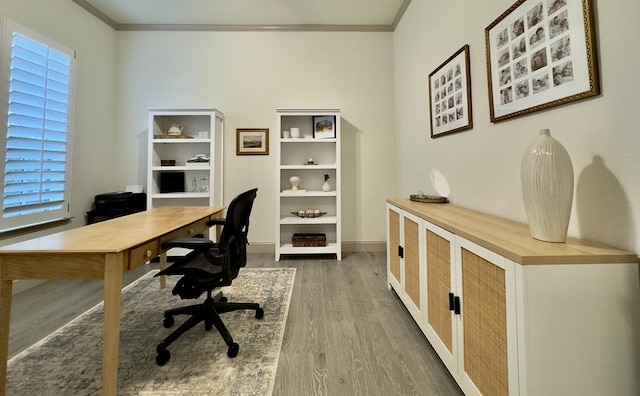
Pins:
<point x="451" y="303"/>
<point x="456" y="304"/>
<point x="400" y="251"/>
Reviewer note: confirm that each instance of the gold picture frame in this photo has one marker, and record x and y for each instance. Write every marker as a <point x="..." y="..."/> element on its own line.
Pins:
<point x="252" y="141"/>
<point x="541" y="54"/>
<point x="450" y="95"/>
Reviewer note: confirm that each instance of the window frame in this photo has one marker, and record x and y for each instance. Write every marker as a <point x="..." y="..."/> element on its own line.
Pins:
<point x="8" y="28"/>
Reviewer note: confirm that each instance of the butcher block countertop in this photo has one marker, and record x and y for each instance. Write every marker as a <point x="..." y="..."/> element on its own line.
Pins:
<point x="511" y="239"/>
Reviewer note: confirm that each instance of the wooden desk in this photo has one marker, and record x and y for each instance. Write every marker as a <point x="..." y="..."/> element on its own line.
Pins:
<point x="99" y="251"/>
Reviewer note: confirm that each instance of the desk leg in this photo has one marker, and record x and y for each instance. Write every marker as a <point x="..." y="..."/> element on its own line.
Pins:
<point x="5" y="322"/>
<point x="112" y="311"/>
<point x="163" y="265"/>
<point x="219" y="227"/>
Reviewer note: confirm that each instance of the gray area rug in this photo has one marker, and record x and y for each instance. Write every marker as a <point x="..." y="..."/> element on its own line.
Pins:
<point x="69" y="361"/>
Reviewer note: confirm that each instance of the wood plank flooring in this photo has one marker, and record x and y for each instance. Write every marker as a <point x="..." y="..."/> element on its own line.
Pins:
<point x="346" y="334"/>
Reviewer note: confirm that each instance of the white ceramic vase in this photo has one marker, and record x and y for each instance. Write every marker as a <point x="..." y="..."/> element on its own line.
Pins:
<point x="547" y="188"/>
<point x="294" y="180"/>
<point x="325" y="186"/>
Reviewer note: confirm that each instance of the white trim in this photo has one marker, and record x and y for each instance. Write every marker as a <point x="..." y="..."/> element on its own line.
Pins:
<point x="243" y="28"/>
<point x="347" y="246"/>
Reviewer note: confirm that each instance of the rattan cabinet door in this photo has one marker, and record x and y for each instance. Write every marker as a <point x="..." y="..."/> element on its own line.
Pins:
<point x="412" y="279"/>
<point x="406" y="272"/>
<point x="441" y="324"/>
<point x="487" y="356"/>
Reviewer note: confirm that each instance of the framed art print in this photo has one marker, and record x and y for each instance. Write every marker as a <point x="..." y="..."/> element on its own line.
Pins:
<point x="324" y="127"/>
<point x="540" y="54"/>
<point x="252" y="141"/>
<point x="450" y="95"/>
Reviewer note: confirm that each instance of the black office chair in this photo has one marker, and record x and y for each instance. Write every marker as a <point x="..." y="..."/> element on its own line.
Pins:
<point x="209" y="266"/>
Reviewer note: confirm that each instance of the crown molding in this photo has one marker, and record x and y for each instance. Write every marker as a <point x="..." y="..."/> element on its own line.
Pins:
<point x="254" y="28"/>
<point x="97" y="13"/>
<point x="242" y="28"/>
<point x="400" y="14"/>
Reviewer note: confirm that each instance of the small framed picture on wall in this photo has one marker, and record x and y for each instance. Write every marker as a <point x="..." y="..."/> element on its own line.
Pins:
<point x="450" y="95"/>
<point x="252" y="141"/>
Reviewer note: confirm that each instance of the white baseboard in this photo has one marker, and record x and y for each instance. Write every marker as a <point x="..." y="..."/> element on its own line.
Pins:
<point x="368" y="246"/>
<point x="350" y="246"/>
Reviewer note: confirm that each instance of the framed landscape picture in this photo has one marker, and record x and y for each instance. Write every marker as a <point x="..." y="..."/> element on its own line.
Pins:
<point x="324" y="127"/>
<point x="541" y="54"/>
<point x="252" y="141"/>
<point x="450" y="95"/>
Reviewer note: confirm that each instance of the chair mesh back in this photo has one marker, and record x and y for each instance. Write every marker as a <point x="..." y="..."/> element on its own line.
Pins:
<point x="233" y="238"/>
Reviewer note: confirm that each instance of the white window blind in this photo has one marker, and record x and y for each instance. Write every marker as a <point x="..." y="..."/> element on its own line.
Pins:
<point x="38" y="134"/>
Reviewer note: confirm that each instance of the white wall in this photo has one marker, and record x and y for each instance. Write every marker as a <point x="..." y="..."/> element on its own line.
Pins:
<point x="482" y="166"/>
<point x="247" y="75"/>
<point x="94" y="116"/>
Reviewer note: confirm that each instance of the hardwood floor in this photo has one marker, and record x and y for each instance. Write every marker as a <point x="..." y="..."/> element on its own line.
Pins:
<point x="346" y="333"/>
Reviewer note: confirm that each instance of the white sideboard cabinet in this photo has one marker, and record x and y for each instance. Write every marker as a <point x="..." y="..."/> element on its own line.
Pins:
<point x="310" y="152"/>
<point x="510" y="315"/>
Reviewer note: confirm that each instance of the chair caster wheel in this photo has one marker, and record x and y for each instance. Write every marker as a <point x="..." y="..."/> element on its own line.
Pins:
<point x="168" y="321"/>
<point x="259" y="313"/>
<point x="223" y="299"/>
<point x="208" y="326"/>
<point x="163" y="357"/>
<point x="233" y="350"/>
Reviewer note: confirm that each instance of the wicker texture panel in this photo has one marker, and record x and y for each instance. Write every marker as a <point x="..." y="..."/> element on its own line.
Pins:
<point x="411" y="261"/>
<point x="485" y="324"/>
<point x="394" y="242"/>
<point x="439" y="287"/>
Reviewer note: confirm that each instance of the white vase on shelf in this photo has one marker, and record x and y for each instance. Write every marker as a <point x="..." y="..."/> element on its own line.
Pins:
<point x="294" y="180"/>
<point x="547" y="188"/>
<point x="325" y="186"/>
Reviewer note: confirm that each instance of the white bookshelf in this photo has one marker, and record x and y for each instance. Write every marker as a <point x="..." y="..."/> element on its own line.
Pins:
<point x="202" y="134"/>
<point x="292" y="160"/>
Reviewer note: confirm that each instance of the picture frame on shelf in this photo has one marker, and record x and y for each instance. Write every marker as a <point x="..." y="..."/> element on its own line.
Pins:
<point x="541" y="54"/>
<point x="252" y="141"/>
<point x="450" y="95"/>
<point x="324" y="127"/>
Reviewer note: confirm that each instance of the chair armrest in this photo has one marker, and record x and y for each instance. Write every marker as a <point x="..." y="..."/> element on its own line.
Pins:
<point x="216" y="222"/>
<point x="189" y="243"/>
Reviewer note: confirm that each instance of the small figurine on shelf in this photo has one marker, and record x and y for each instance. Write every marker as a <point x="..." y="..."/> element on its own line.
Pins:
<point x="200" y="159"/>
<point x="175" y="130"/>
<point x="326" y="186"/>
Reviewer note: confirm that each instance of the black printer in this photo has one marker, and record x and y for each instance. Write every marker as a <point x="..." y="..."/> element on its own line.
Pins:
<point x="115" y="204"/>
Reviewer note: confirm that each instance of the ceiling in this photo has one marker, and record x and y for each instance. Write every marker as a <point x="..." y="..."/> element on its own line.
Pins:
<point x="303" y="15"/>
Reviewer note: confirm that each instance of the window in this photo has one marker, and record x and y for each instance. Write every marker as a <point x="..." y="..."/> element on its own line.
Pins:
<point x="36" y="85"/>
